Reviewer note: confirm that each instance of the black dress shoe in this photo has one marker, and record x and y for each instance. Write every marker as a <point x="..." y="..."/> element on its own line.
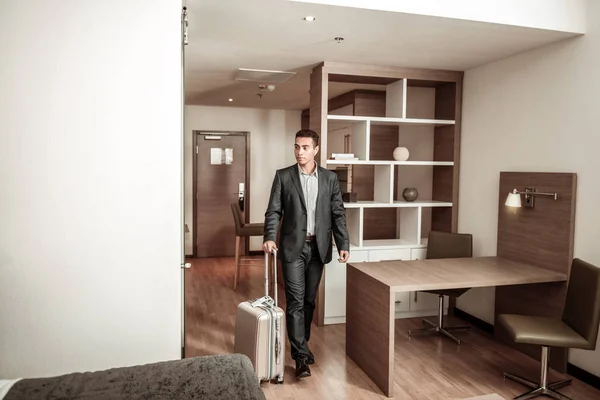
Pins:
<point x="311" y="357"/>
<point x="302" y="369"/>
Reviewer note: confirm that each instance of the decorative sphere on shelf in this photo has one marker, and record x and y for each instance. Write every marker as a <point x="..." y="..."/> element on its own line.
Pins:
<point x="401" y="154"/>
<point x="410" y="194"/>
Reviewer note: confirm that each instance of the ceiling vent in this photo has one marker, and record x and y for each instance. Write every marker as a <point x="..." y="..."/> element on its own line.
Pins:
<point x="261" y="75"/>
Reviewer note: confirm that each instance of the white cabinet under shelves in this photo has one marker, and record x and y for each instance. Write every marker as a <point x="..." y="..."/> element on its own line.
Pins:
<point x="418" y="253"/>
<point x="389" y="254"/>
<point x="408" y="304"/>
<point x="335" y="286"/>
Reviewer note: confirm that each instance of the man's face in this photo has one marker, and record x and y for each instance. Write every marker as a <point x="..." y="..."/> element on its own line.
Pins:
<point x="305" y="150"/>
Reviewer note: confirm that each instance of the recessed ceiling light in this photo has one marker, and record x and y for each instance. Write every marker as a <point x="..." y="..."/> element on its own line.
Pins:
<point x="230" y="99"/>
<point x="309" y="18"/>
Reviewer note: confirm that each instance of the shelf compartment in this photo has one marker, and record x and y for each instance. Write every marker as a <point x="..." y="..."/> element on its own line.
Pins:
<point x="409" y="224"/>
<point x="361" y="139"/>
<point x="383" y="191"/>
<point x="354" y="221"/>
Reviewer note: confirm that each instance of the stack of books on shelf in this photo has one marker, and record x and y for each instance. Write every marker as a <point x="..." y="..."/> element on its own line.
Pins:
<point x="343" y="156"/>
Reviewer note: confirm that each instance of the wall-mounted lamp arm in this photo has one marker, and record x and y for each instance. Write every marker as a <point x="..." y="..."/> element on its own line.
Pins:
<point x="533" y="193"/>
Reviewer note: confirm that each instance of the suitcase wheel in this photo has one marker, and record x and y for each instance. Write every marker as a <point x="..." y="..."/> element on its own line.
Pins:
<point x="280" y="378"/>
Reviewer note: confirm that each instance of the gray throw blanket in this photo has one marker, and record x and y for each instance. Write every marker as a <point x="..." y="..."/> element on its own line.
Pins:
<point x="220" y="377"/>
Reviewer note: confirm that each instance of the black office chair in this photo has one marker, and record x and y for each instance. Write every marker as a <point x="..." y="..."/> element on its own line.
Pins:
<point x="577" y="329"/>
<point x="446" y="245"/>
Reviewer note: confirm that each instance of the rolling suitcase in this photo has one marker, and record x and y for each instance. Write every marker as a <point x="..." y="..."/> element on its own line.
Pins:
<point x="260" y="331"/>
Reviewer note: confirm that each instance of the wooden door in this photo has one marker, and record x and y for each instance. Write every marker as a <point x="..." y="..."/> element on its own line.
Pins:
<point x="221" y="166"/>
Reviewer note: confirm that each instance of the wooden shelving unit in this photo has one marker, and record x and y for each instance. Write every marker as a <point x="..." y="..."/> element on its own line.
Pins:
<point x="414" y="108"/>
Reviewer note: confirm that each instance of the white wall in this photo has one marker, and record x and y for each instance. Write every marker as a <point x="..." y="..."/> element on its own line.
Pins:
<point x="272" y="135"/>
<point x="533" y="112"/>
<point x="560" y="15"/>
<point x="90" y="158"/>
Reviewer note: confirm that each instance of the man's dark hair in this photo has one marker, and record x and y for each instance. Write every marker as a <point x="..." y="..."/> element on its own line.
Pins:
<point x="310" y="134"/>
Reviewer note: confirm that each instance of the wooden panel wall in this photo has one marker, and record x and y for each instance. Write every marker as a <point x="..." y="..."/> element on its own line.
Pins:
<point x="541" y="236"/>
<point x="305" y="119"/>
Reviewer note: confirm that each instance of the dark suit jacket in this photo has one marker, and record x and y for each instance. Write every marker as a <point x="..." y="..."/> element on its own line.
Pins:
<point x="287" y="201"/>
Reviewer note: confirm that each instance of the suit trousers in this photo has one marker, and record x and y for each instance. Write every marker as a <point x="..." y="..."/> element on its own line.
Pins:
<point x="301" y="279"/>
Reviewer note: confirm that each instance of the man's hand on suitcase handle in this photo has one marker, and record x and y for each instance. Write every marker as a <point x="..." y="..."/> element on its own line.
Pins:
<point x="269" y="245"/>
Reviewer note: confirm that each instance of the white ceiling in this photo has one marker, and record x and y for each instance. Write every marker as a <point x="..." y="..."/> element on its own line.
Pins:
<point x="225" y="35"/>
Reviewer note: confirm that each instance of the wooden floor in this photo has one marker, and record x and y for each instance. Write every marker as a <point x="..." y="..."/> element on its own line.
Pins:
<point x="428" y="367"/>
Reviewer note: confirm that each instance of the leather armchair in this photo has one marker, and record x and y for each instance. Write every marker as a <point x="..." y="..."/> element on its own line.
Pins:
<point x="578" y="327"/>
<point x="446" y="245"/>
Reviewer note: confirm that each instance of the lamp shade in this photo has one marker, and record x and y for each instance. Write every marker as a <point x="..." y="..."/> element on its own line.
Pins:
<point x="513" y="200"/>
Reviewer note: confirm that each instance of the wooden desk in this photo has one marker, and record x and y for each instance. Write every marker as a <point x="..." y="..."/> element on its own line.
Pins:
<point x="371" y="288"/>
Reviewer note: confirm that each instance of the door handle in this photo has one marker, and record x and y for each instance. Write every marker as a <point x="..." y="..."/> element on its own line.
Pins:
<point x="241" y="195"/>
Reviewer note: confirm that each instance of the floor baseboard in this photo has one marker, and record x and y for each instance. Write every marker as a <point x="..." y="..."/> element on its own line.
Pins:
<point x="573" y="370"/>
<point x="583" y="375"/>
<point x="473" y="320"/>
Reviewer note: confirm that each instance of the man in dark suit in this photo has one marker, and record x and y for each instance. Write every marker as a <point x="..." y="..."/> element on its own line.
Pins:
<point x="309" y="200"/>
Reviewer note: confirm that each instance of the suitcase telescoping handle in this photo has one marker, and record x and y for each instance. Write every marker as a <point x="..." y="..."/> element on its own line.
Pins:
<point x="274" y="275"/>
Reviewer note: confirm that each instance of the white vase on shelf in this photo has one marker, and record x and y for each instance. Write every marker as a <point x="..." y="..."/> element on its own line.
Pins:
<point x="401" y="154"/>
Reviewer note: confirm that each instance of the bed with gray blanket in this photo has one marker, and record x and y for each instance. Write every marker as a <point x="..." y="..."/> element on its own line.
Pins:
<point x="223" y="377"/>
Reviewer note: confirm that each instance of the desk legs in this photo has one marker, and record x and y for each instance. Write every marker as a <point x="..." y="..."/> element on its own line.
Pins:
<point x="370" y="313"/>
